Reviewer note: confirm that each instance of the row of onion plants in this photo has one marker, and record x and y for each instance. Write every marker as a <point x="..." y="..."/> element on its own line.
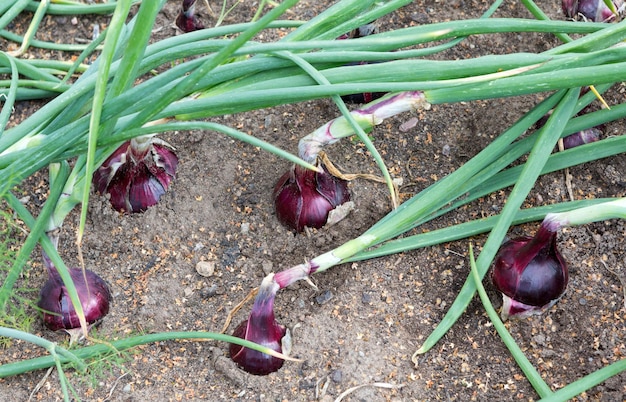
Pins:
<point x="105" y="122"/>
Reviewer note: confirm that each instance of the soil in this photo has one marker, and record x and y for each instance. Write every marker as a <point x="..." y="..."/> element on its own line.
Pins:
<point x="365" y="320"/>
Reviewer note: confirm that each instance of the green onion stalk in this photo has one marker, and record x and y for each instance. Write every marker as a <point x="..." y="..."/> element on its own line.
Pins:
<point x="366" y="117"/>
<point x="61" y="356"/>
<point x="399" y="75"/>
<point x="581" y="216"/>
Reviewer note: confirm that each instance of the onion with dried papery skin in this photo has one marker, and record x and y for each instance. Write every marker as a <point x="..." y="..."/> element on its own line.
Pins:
<point x="137" y="174"/>
<point x="305" y="198"/>
<point x="530" y="273"/>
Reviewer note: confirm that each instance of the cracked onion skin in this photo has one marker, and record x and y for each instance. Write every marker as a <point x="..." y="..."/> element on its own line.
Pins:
<point x="531" y="273"/>
<point x="304" y="198"/>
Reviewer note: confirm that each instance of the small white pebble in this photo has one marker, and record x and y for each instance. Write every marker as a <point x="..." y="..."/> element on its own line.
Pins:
<point x="205" y="268"/>
<point x="245" y="228"/>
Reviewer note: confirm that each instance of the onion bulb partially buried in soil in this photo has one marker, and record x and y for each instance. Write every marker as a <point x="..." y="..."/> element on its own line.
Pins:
<point x="59" y="312"/>
<point x="306" y="198"/>
<point x="530" y="273"/>
<point x="262" y="328"/>
<point x="137" y="174"/>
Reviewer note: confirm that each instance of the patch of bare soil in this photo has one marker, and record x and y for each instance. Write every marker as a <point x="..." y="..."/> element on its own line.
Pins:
<point x="367" y="318"/>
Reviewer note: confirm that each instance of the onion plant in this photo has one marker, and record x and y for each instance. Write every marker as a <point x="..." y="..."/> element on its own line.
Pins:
<point x="222" y="70"/>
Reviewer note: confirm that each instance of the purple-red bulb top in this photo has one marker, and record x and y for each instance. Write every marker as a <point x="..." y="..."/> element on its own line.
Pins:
<point x="136" y="175"/>
<point x="530" y="270"/>
<point x="58" y="310"/>
<point x="303" y="197"/>
<point x="186" y="20"/>
<point x="581" y="137"/>
<point x="261" y="327"/>
<point x="591" y="10"/>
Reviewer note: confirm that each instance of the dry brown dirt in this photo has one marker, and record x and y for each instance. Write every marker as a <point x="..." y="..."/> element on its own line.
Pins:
<point x="366" y="319"/>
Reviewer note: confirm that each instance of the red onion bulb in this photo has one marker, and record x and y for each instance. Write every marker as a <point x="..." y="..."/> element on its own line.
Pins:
<point x="261" y="327"/>
<point x="58" y="310"/>
<point x="303" y="197"/>
<point x="137" y="174"/>
<point x="530" y="273"/>
<point x="591" y="10"/>
<point x="186" y="20"/>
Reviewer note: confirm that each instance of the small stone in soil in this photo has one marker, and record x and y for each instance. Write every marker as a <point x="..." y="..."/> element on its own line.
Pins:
<point x="267" y="267"/>
<point x="446" y="150"/>
<point x="324" y="297"/>
<point x="208" y="292"/>
<point x="336" y="376"/>
<point x="366" y="298"/>
<point x="205" y="268"/>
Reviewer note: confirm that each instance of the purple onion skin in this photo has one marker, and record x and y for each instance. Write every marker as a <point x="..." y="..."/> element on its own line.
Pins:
<point x="186" y="20"/>
<point x="531" y="272"/>
<point x="364" y="97"/>
<point x="59" y="312"/>
<point x="590" y="10"/>
<point x="188" y="24"/>
<point x="304" y="198"/>
<point x="261" y="327"/>
<point x="136" y="177"/>
<point x="581" y="138"/>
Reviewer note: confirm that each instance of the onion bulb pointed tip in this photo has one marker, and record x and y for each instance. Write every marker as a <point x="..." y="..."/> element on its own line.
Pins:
<point x="262" y="328"/>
